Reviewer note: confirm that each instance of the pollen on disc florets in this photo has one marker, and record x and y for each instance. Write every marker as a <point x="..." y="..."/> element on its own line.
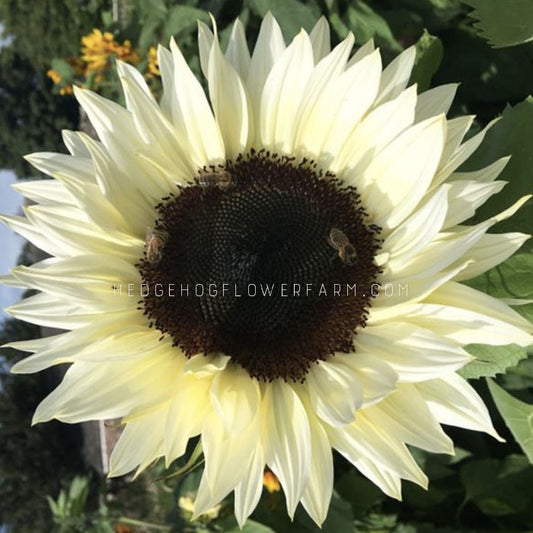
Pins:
<point x="266" y="225"/>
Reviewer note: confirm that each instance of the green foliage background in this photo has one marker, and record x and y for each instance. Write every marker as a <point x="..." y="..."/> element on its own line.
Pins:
<point x="482" y="44"/>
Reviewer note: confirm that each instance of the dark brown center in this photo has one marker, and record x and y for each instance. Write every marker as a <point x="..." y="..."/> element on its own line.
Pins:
<point x="267" y="260"/>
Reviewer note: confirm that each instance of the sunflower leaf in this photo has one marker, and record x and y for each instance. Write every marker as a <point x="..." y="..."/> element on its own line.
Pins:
<point x="491" y="360"/>
<point x="503" y="23"/>
<point x="498" y="487"/>
<point x="509" y="280"/>
<point x="518" y="417"/>
<point x="510" y="136"/>
<point x="182" y="19"/>
<point x="250" y="527"/>
<point x="429" y="53"/>
<point x="367" y="24"/>
<point x="291" y="14"/>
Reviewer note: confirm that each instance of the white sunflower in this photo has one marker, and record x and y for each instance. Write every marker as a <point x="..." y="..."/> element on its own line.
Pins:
<point x="306" y="167"/>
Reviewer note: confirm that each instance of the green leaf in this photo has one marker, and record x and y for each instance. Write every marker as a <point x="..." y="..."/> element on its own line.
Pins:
<point x="510" y="136"/>
<point x="491" y="360"/>
<point x="64" y="69"/>
<point x="496" y="487"/>
<point x="361" y="493"/>
<point x="518" y="417"/>
<point x="250" y="527"/>
<point x="291" y="14"/>
<point x="182" y="19"/>
<point x="503" y="23"/>
<point x="511" y="280"/>
<point x="520" y="377"/>
<point x="367" y="24"/>
<point x="429" y="53"/>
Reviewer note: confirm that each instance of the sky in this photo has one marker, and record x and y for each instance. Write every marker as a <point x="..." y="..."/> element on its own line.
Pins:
<point x="10" y="243"/>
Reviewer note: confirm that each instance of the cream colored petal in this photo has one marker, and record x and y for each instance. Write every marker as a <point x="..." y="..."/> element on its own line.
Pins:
<point x="74" y="144"/>
<point x="248" y="491"/>
<point x="268" y="49"/>
<point x="80" y="345"/>
<point x="399" y="176"/>
<point x="490" y="251"/>
<point x="187" y="411"/>
<point x="82" y="280"/>
<point x="326" y="72"/>
<point x="435" y="101"/>
<point x="339" y="108"/>
<point x="361" y="52"/>
<point x="45" y="192"/>
<point x="224" y="456"/>
<point x="457" y="295"/>
<point x="202" y="365"/>
<point x="205" y="43"/>
<point x="454" y="402"/>
<point x="286" y="437"/>
<point x="30" y="232"/>
<point x="405" y="415"/>
<point x="400" y="291"/>
<point x="237" y="52"/>
<point x="461" y="155"/>
<point x="235" y="397"/>
<point x="77" y="236"/>
<point x="135" y="204"/>
<point x="53" y="164"/>
<point x="416" y="354"/>
<point x="466" y="196"/>
<point x="113" y="124"/>
<point x="450" y="249"/>
<point x="417" y="231"/>
<point x="317" y="494"/>
<point x="388" y="482"/>
<point x="156" y="130"/>
<point x="98" y="391"/>
<point x="125" y="70"/>
<point x="79" y="177"/>
<point x="396" y="76"/>
<point x="320" y="39"/>
<point x="485" y="175"/>
<point x="334" y="391"/>
<point x="455" y="131"/>
<point x="441" y="253"/>
<point x="376" y="377"/>
<point x="52" y="311"/>
<point x="375" y="132"/>
<point x="192" y="114"/>
<point x="466" y="327"/>
<point x="141" y="443"/>
<point x="363" y="439"/>
<point x="282" y="94"/>
<point x="229" y="101"/>
<point x="166" y="67"/>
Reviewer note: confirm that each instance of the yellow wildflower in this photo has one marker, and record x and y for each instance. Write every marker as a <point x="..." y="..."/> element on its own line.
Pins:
<point x="54" y="76"/>
<point x="271" y="482"/>
<point x="152" y="68"/>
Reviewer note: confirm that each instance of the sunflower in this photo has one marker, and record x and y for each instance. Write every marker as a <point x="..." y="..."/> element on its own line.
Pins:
<point x="298" y="288"/>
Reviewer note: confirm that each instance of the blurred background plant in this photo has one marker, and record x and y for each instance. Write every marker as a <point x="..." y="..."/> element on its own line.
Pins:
<point x="47" y="47"/>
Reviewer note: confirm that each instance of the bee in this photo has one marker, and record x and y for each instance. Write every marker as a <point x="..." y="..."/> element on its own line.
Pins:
<point x="220" y="178"/>
<point x="155" y="244"/>
<point x="345" y="249"/>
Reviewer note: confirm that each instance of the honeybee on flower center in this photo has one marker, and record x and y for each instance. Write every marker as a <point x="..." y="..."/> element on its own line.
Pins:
<point x="345" y="249"/>
<point x="155" y="244"/>
<point x="219" y="178"/>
